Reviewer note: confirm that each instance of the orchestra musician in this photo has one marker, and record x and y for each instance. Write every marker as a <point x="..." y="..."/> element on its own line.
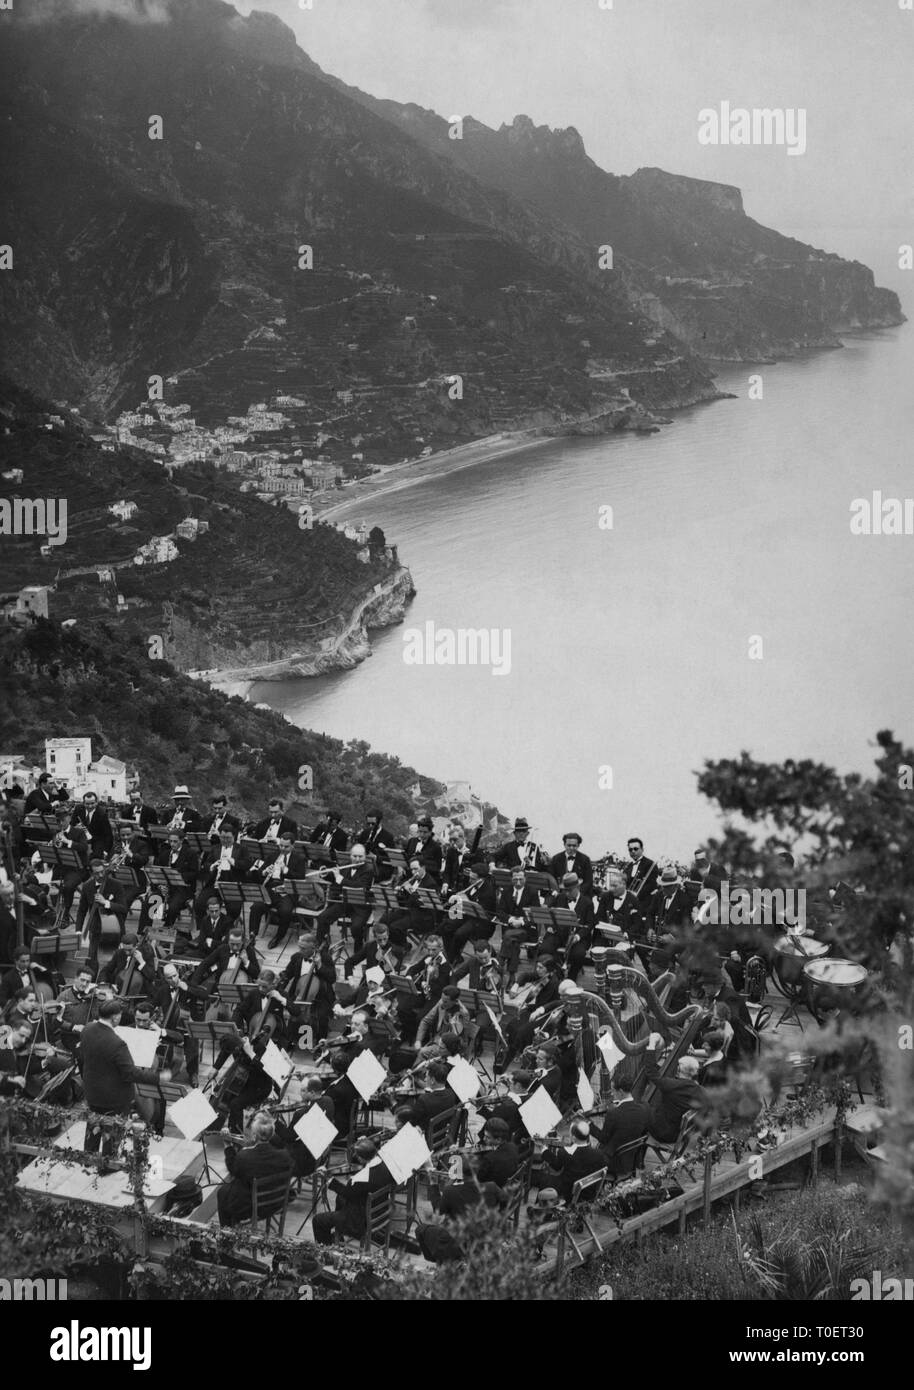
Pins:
<point x="413" y="917"/>
<point x="670" y="907"/>
<point x="178" y="855"/>
<point x="481" y="890"/>
<point x="23" y="974"/>
<point x="290" y="863"/>
<point x="100" y="893"/>
<point x="308" y="985"/>
<point x="349" y="1217"/>
<point x="578" y="944"/>
<point x="313" y="1095"/>
<point x="98" y="827"/>
<point x="184" y="816"/>
<point x="231" y="962"/>
<point x="431" y="973"/>
<point x="43" y="799"/>
<point x="225" y="863"/>
<point x="77" y="1001"/>
<point x="376" y="839"/>
<point x="520" y="851"/>
<point x="627" y="1120"/>
<point x="424" y="844"/>
<point x="540" y="998"/>
<point x="220" y="816"/>
<point x="215" y="926"/>
<point x="75" y="838"/>
<point x="516" y="929"/>
<point x="357" y="874"/>
<point x="139" y="812"/>
<point x="449" y="1015"/>
<point x="457" y="859"/>
<point x="259" y="1159"/>
<point x="275" y="824"/>
<point x="134" y="852"/>
<point x="573" y="1161"/>
<point x="480" y="970"/>
<point x="572" y="861"/>
<point x="618" y="907"/>
<point x="640" y="872"/>
<point x="378" y="952"/>
<point x="328" y="833"/>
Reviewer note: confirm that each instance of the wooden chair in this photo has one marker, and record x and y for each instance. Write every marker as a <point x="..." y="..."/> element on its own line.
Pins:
<point x="270" y="1202"/>
<point x="379" y="1211"/>
<point x="442" y="1130"/>
<point x="637" y="1150"/>
<point x="585" y="1190"/>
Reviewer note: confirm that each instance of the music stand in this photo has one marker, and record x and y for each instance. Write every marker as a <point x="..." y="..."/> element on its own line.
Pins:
<point x="469" y="911"/>
<point x="385" y="897"/>
<point x="198" y="841"/>
<point x="158" y="833"/>
<point x="396" y="857"/>
<point x="318" y="854"/>
<point x="429" y="900"/>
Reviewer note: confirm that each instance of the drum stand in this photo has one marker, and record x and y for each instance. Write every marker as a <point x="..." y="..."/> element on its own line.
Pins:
<point x="794" y="999"/>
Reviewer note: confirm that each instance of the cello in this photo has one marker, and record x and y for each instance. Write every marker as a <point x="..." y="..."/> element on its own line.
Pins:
<point x="237" y="974"/>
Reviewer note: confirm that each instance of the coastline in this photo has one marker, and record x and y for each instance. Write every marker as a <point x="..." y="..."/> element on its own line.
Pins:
<point x="397" y="476"/>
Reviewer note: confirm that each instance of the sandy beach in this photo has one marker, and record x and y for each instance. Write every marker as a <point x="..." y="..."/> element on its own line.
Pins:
<point x="398" y="476"/>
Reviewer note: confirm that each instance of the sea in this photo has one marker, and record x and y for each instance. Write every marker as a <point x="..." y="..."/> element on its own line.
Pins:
<point x="727" y="606"/>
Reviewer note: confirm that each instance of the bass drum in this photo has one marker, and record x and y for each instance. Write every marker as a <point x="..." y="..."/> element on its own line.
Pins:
<point x="834" y="984"/>
<point x="791" y="955"/>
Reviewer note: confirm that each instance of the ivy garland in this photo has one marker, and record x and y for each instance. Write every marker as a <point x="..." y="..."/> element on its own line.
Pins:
<point x="293" y="1263"/>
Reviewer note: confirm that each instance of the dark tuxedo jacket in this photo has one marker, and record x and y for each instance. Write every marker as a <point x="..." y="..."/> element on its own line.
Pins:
<point x="212" y="966"/>
<point x="431" y="854"/>
<point x="39" y="802"/>
<point x="673" y="1098"/>
<point x="107" y="1069"/>
<point x="558" y="867"/>
<point x="431" y="984"/>
<point x="375" y="841"/>
<point x="238" y="872"/>
<point x="582" y="908"/>
<point x="571" y="1167"/>
<point x="352" y="1198"/>
<point x="261" y="1160"/>
<point x="285" y="823"/>
<point x="454" y="873"/>
<point x="369" y="954"/>
<point x="500" y="1165"/>
<point x="508" y="908"/>
<point x="187" y="863"/>
<point x="192" y="818"/>
<point x="431" y="1103"/>
<point x="214" y="824"/>
<point x="320" y="833"/>
<point x="641" y="878"/>
<point x="101" y="836"/>
<point x="142" y="816"/>
<point x="485" y="893"/>
<point x="471" y="975"/>
<point x="324" y="972"/>
<point x="623" y="1124"/>
<point x="352" y="878"/>
<point x="668" y="915"/>
<point x="421" y="919"/>
<point x="628" y="915"/>
<point x="114" y="892"/>
<point x="297" y="867"/>
<point x="508" y="856"/>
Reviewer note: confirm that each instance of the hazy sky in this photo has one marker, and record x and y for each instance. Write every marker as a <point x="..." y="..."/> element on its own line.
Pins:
<point x="633" y="78"/>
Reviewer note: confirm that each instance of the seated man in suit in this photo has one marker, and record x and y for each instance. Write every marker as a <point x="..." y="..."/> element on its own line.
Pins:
<point x="460" y="928"/>
<point x="500" y="1163"/>
<point x="290" y="863"/>
<point x="178" y="856"/>
<point x="113" y="902"/>
<point x="276" y="824"/>
<point x="263" y="1160"/>
<point x="574" y="1161"/>
<point x="625" y="1123"/>
<point x="357" y="874"/>
<point x="413" y="916"/>
<point x="674" y="1096"/>
<point x="226" y="863"/>
<point x="436" y="1098"/>
<point x="352" y="1197"/>
<point x="329" y="833"/>
<point x="577" y="942"/>
<point x="514" y="902"/>
<point x="572" y="861"/>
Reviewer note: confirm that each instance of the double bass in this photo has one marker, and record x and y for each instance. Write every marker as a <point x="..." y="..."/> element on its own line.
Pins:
<point x="237" y="974"/>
